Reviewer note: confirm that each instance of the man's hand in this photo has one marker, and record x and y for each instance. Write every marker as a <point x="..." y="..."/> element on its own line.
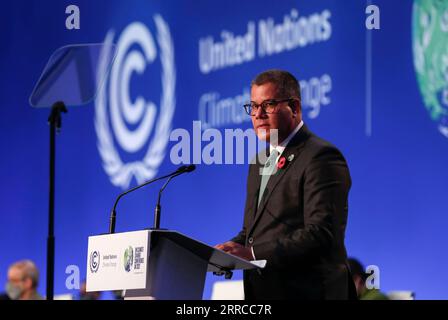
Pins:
<point x="236" y="249"/>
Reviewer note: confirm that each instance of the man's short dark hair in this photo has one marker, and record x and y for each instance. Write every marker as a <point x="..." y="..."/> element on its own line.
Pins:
<point x="287" y="84"/>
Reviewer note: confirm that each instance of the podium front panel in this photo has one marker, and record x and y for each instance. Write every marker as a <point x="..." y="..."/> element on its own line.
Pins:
<point x="118" y="261"/>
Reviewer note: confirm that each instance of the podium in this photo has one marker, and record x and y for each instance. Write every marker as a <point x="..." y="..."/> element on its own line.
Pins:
<point x="156" y="264"/>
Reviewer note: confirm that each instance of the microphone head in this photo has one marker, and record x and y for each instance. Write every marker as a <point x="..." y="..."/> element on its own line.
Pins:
<point x="187" y="168"/>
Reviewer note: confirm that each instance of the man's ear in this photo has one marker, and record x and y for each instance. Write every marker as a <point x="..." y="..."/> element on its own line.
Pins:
<point x="293" y="104"/>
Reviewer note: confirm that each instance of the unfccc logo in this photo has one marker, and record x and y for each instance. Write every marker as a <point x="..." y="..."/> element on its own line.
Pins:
<point x="94" y="261"/>
<point x="136" y="50"/>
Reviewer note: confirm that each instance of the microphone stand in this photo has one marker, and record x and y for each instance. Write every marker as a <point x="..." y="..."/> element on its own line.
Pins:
<point x="55" y="122"/>
<point x="113" y="215"/>
<point x="158" y="209"/>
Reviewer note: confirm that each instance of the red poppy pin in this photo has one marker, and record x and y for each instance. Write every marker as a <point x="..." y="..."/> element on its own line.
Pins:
<point x="282" y="161"/>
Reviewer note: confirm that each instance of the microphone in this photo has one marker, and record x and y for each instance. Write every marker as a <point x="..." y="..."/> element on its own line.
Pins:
<point x="188" y="168"/>
<point x="158" y="209"/>
<point x="113" y="214"/>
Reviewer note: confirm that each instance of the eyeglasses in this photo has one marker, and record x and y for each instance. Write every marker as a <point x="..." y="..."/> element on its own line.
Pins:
<point x="268" y="106"/>
<point x="16" y="280"/>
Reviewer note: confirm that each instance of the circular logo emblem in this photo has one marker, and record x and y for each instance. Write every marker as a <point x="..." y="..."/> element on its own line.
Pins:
<point x="94" y="261"/>
<point x="132" y="125"/>
<point x="128" y="259"/>
<point x="430" y="46"/>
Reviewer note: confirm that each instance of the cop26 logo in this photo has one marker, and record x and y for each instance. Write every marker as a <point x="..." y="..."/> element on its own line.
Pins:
<point x="430" y="46"/>
<point x="128" y="259"/>
<point x="128" y="127"/>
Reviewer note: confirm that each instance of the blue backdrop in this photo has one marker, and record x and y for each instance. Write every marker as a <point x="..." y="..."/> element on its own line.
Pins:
<point x="367" y="91"/>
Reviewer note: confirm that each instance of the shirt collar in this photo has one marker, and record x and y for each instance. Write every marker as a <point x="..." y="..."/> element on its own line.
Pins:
<point x="281" y="147"/>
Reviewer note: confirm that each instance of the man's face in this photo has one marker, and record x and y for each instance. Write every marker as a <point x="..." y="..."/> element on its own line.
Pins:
<point x="283" y="120"/>
<point x="17" y="277"/>
<point x="15" y="285"/>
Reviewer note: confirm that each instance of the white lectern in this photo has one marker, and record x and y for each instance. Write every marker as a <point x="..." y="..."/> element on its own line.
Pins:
<point x="156" y="264"/>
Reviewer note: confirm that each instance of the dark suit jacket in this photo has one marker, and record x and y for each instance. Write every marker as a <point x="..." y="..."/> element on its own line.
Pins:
<point x="300" y="224"/>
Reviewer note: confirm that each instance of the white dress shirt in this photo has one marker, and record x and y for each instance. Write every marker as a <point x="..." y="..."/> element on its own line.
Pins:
<point x="282" y="146"/>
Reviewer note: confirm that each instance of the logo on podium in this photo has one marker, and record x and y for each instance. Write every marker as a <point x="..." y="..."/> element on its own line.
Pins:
<point x="128" y="260"/>
<point x="94" y="261"/>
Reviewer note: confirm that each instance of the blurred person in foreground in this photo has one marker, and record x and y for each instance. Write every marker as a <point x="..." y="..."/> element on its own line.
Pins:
<point x="23" y="280"/>
<point x="360" y="278"/>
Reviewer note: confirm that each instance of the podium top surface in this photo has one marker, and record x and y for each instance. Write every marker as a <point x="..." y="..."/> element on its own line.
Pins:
<point x="218" y="260"/>
<point x="121" y="261"/>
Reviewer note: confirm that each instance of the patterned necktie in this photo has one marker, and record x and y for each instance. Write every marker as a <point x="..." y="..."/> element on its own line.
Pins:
<point x="266" y="172"/>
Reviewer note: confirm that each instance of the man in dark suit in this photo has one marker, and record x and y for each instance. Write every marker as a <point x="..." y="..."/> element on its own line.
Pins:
<point x="296" y="205"/>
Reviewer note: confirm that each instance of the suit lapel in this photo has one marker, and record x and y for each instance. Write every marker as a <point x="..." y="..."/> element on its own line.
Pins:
<point x="292" y="150"/>
<point x="256" y="180"/>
